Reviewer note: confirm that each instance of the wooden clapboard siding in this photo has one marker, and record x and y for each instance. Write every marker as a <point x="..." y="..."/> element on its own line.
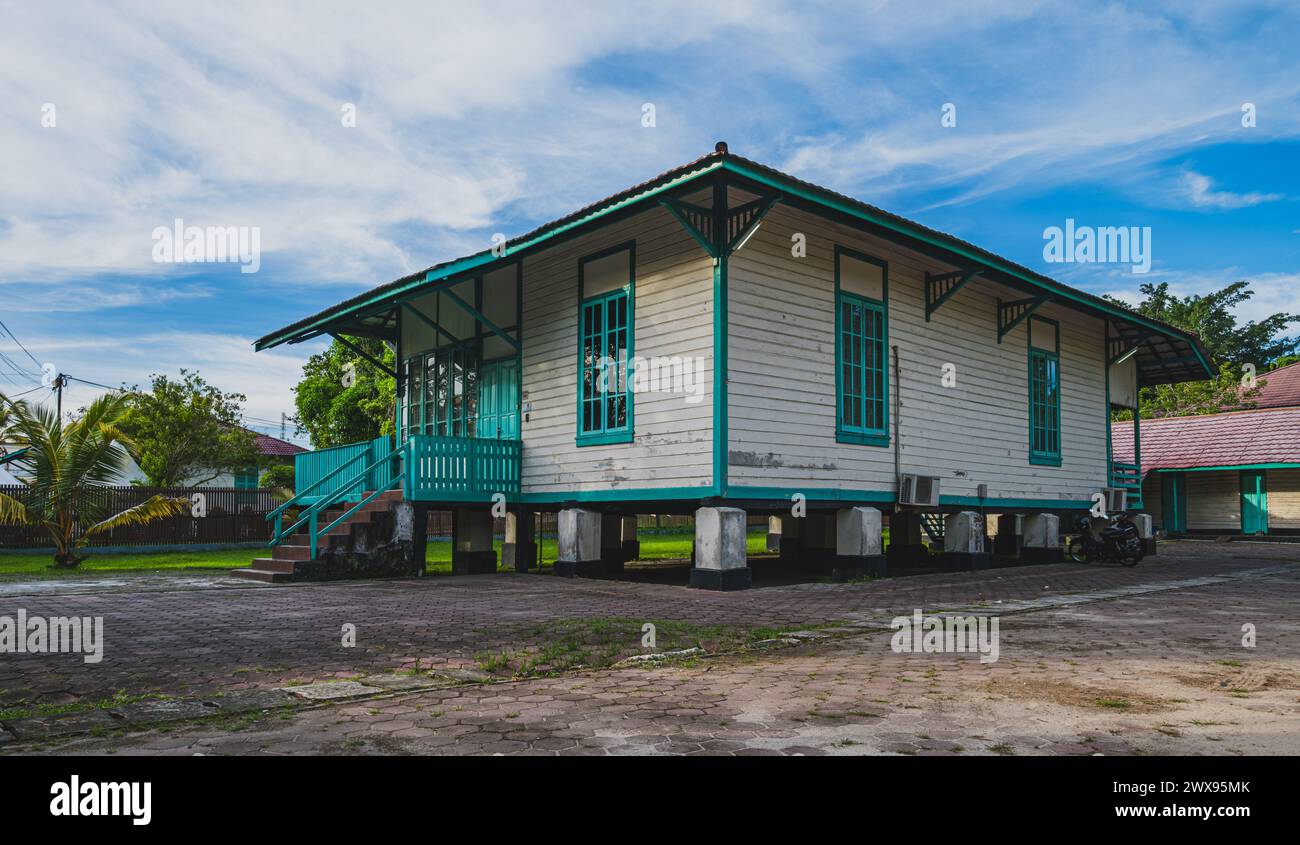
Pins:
<point x="1214" y="500"/>
<point x="673" y="317"/>
<point x="1283" y="499"/>
<point x="781" y="388"/>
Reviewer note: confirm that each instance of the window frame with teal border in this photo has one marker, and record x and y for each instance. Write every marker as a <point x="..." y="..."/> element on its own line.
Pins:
<point x="1046" y="456"/>
<point x="624" y="433"/>
<point x="861" y="434"/>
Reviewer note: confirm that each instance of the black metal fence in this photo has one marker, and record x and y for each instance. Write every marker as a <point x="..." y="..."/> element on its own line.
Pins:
<point x="223" y="515"/>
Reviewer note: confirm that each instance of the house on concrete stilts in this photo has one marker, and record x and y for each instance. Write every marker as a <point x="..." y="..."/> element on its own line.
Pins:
<point x="726" y="340"/>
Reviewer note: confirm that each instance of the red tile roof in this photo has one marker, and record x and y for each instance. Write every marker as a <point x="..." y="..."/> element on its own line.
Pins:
<point x="274" y="446"/>
<point x="1279" y="388"/>
<point x="1232" y="438"/>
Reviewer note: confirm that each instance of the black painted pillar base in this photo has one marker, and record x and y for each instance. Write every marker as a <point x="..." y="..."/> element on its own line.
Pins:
<point x="817" y="561"/>
<point x="740" y="578"/>
<point x="965" y="561"/>
<point x="899" y="554"/>
<point x="473" y="563"/>
<point x="1041" y="554"/>
<point x="849" y="568"/>
<point x="773" y="542"/>
<point x="1008" y="545"/>
<point x="1149" y="547"/>
<point x="631" y="549"/>
<point x="579" y="568"/>
<point x="519" y="556"/>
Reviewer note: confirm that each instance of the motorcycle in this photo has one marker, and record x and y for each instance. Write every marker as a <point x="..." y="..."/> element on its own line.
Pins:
<point x="1116" y="540"/>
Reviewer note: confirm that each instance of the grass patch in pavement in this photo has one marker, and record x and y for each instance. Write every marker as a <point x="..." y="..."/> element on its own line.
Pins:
<point x="566" y="644"/>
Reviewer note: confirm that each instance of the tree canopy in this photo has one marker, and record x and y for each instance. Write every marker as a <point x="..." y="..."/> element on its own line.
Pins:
<point x="343" y="398"/>
<point x="1233" y="345"/>
<point x="187" y="432"/>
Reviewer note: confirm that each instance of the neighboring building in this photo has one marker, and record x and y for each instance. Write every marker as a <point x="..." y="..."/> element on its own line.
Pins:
<point x="1236" y="472"/>
<point x="833" y="348"/>
<point x="272" y="450"/>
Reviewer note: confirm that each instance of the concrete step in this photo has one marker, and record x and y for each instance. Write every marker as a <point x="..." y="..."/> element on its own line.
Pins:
<point x="284" y="551"/>
<point x="271" y="564"/>
<point x="262" y="575"/>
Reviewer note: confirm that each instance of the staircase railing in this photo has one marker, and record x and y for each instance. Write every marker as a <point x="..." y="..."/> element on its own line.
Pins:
<point x="1128" y="477"/>
<point x="932" y="523"/>
<point x="377" y="473"/>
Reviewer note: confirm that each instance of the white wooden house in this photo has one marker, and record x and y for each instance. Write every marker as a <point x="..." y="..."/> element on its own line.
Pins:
<point x="820" y="352"/>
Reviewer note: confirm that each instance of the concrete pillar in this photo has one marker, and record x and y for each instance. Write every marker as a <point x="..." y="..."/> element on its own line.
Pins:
<point x="905" y="544"/>
<point x="611" y="545"/>
<point x="858" y="550"/>
<point x="1146" y="530"/>
<point x="1008" y="535"/>
<point x="720" y="562"/>
<point x="791" y="543"/>
<point x="631" y="545"/>
<point x="963" y="542"/>
<point x="1042" y="539"/>
<point x="818" y="542"/>
<point x="774" y="533"/>
<point x="471" y="542"/>
<point x="519" y="550"/>
<point x="579" y="544"/>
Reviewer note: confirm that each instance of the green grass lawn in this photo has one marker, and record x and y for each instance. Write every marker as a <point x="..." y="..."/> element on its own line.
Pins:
<point x="40" y="565"/>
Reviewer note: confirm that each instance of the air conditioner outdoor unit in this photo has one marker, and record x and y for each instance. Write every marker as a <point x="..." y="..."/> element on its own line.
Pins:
<point x="918" y="489"/>
<point x="1116" y="499"/>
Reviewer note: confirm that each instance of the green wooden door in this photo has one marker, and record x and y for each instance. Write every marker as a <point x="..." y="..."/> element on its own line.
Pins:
<point x="498" y="402"/>
<point x="1173" y="501"/>
<point x="1254" y="502"/>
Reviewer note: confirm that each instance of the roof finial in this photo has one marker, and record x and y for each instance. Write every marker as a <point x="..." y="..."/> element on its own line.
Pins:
<point x="720" y="147"/>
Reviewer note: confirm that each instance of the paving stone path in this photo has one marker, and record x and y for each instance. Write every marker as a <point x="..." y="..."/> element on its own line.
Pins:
<point x="1092" y="660"/>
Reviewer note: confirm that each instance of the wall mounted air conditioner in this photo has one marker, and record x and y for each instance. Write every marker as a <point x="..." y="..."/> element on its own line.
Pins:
<point x="918" y="490"/>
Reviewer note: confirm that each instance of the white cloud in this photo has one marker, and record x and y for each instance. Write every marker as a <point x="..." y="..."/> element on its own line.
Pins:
<point x="1199" y="190"/>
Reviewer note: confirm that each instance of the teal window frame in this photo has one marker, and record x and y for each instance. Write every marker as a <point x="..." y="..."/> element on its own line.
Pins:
<point x="605" y="434"/>
<point x="1044" y="398"/>
<point x="859" y="432"/>
<point x="433" y="388"/>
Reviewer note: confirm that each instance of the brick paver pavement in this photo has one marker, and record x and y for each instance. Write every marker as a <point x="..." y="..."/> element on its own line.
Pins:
<point x="1160" y="671"/>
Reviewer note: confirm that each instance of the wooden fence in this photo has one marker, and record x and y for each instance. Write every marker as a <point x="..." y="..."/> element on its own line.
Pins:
<point x="230" y="516"/>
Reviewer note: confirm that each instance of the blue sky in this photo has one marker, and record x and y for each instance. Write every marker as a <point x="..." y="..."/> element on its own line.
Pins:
<point x="473" y="119"/>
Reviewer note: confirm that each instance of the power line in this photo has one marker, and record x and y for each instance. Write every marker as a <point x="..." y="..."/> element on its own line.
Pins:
<point x="9" y="332"/>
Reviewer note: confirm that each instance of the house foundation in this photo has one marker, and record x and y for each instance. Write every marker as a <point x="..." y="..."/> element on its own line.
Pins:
<point x="905" y="546"/>
<point x="858" y="552"/>
<point x="720" y="562"/>
<point x="519" y="549"/>
<point x="1042" y="539"/>
<point x="963" y="542"/>
<point x="631" y="545"/>
<point x="579" y="544"/>
<point x="471" y="542"/>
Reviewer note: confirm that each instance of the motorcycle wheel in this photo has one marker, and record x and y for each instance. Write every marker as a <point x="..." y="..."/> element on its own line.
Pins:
<point x="1132" y="559"/>
<point x="1074" y="551"/>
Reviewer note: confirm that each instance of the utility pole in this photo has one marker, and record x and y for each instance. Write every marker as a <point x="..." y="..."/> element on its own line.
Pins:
<point x="60" y="381"/>
<point x="284" y="419"/>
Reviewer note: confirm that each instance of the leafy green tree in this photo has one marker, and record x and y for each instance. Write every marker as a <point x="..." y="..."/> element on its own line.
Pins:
<point x="343" y="398"/>
<point x="1231" y="344"/>
<point x="278" y="476"/>
<point x="187" y="432"/>
<point x="63" y="467"/>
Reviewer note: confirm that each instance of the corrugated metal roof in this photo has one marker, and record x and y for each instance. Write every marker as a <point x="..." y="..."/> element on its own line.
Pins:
<point x="353" y="308"/>
<point x="1233" y="438"/>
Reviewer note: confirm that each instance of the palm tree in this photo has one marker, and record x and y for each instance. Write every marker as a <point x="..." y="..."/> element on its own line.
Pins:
<point x="65" y="468"/>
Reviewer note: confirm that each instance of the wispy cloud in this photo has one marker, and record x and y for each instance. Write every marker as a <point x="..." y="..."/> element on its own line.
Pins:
<point x="1199" y="190"/>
